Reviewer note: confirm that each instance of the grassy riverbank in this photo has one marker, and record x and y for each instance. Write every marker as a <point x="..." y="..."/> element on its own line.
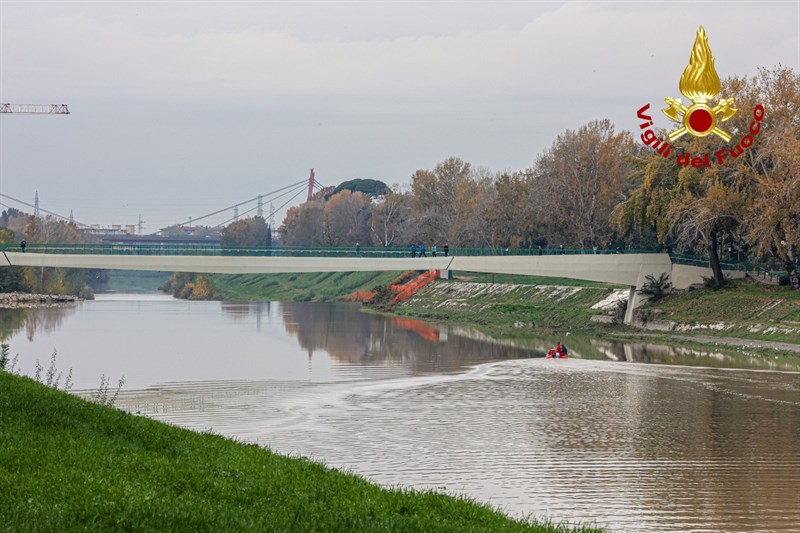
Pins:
<point x="71" y="465"/>
<point x="749" y="310"/>
<point x="301" y="287"/>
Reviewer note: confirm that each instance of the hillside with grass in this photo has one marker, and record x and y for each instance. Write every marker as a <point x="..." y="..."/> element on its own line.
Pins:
<point x="297" y="287"/>
<point x="746" y="309"/>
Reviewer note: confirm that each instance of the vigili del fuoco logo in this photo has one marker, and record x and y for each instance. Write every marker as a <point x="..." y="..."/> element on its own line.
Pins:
<point x="700" y="84"/>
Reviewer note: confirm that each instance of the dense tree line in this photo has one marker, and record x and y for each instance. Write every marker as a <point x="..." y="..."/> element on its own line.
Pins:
<point x="596" y="187"/>
<point x="566" y="199"/>
<point x="18" y="226"/>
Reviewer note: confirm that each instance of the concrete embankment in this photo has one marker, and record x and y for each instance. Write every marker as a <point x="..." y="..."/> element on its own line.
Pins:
<point x="20" y="299"/>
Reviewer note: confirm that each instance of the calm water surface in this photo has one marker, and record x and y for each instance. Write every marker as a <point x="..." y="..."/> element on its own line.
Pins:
<point x="703" y="441"/>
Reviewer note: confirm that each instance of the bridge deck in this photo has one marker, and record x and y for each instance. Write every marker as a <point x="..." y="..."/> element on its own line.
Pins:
<point x="622" y="269"/>
<point x="629" y="269"/>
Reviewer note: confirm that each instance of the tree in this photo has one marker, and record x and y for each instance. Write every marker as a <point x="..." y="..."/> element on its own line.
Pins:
<point x="11" y="277"/>
<point x="203" y="288"/>
<point x="51" y="230"/>
<point x="514" y="216"/>
<point x="773" y="222"/>
<point x="302" y="225"/>
<point x="584" y="174"/>
<point x="771" y="225"/>
<point x="689" y="207"/>
<point x="47" y="230"/>
<point x="252" y="231"/>
<point x="390" y="218"/>
<point x="372" y="188"/>
<point x="189" y="286"/>
<point x="345" y="219"/>
<point x="435" y="199"/>
<point x="470" y="227"/>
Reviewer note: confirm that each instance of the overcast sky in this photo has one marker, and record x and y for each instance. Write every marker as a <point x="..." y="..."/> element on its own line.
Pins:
<point x="181" y="108"/>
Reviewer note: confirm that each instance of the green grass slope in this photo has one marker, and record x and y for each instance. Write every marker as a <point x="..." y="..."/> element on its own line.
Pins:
<point x="747" y="309"/>
<point x="301" y="287"/>
<point x="71" y="465"/>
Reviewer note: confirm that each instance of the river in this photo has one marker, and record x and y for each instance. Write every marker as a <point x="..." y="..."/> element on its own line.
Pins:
<point x="633" y="437"/>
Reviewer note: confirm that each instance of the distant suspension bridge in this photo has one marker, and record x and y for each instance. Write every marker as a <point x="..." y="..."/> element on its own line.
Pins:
<point x="310" y="186"/>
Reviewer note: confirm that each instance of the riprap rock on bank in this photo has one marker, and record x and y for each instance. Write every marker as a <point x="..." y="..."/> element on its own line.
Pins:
<point x="21" y="299"/>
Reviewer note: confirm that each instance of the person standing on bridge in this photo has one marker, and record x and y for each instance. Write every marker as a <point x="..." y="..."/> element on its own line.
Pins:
<point x="433" y="251"/>
<point x="414" y="250"/>
<point x="23" y="244"/>
<point x="422" y="250"/>
<point x="358" y="250"/>
<point x="446" y="250"/>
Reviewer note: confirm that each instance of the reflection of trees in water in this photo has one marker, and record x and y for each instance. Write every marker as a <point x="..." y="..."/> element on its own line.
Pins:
<point x="352" y="336"/>
<point x="11" y="321"/>
<point x="44" y="319"/>
<point x="240" y="311"/>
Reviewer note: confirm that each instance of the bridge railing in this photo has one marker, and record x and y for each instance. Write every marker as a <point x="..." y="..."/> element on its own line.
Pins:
<point x="292" y="251"/>
<point x="692" y="260"/>
<point x="333" y="251"/>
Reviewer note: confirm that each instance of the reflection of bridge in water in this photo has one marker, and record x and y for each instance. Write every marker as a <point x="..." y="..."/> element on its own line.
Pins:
<point x="628" y="269"/>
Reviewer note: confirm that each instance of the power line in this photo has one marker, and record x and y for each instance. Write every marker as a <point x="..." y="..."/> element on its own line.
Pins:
<point x="289" y="200"/>
<point x="42" y="209"/>
<point x="298" y="187"/>
<point x="195" y="219"/>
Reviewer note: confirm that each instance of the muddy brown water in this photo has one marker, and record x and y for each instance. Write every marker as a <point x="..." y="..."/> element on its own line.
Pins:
<point x="633" y="437"/>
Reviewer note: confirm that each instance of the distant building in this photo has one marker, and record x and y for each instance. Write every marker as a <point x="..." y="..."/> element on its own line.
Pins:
<point x="115" y="229"/>
<point x="192" y="231"/>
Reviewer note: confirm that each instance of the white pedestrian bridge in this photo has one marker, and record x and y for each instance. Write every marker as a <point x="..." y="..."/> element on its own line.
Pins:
<point x="629" y="269"/>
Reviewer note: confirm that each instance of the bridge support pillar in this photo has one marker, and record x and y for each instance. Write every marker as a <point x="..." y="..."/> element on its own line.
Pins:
<point x="634" y="300"/>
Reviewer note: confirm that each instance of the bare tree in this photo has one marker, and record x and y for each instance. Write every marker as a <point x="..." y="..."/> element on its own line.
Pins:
<point x="390" y="216"/>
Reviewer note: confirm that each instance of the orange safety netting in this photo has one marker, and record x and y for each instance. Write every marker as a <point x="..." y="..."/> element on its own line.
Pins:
<point x="407" y="290"/>
<point x="404" y="289"/>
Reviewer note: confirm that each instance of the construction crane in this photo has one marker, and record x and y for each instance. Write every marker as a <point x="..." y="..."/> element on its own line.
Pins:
<point x="35" y="109"/>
